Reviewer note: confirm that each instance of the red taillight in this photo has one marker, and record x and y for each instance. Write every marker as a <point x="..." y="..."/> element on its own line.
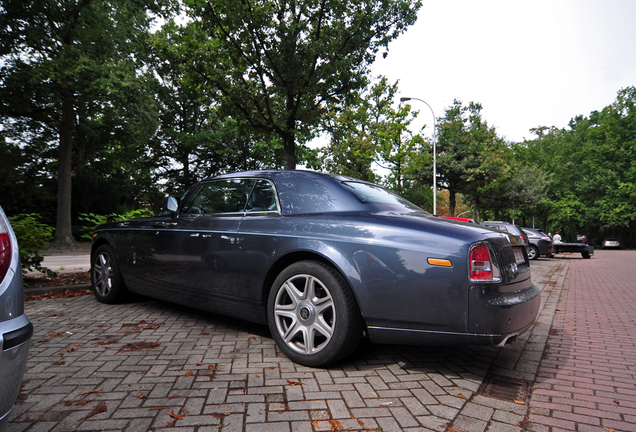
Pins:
<point x="480" y="263"/>
<point x="5" y="251"/>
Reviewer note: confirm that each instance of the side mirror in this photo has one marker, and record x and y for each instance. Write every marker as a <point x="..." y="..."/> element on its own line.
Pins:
<point x="171" y="204"/>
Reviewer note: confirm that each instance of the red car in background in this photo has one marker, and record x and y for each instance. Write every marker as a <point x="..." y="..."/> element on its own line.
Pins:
<point x="467" y="220"/>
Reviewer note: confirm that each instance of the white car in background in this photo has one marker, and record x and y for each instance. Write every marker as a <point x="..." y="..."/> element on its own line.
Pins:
<point x="15" y="328"/>
<point x="611" y="243"/>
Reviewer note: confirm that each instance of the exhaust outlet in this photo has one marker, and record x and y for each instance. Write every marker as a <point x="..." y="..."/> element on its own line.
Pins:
<point x="508" y="340"/>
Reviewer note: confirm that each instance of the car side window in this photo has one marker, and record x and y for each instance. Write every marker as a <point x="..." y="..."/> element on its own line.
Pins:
<point x="219" y="196"/>
<point x="263" y="198"/>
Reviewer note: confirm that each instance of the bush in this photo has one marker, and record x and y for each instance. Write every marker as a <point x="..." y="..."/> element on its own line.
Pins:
<point x="91" y="220"/>
<point x="32" y="236"/>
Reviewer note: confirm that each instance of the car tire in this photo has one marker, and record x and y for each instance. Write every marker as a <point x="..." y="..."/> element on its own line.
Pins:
<point x="533" y="252"/>
<point x="313" y="315"/>
<point x="106" y="280"/>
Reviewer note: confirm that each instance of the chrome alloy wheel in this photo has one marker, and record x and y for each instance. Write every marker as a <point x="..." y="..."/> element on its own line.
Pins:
<point x="305" y="314"/>
<point x="103" y="274"/>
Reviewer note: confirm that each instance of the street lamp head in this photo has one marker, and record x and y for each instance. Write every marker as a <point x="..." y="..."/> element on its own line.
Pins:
<point x="404" y="99"/>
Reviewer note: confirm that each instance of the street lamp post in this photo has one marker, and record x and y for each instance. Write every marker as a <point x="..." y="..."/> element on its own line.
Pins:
<point x="405" y="99"/>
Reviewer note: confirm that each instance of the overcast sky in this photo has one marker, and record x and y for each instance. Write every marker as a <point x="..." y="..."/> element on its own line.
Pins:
<point x="529" y="63"/>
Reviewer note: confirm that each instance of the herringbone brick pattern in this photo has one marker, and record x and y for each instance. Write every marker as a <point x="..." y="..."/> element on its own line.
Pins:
<point x="587" y="378"/>
<point x="150" y="365"/>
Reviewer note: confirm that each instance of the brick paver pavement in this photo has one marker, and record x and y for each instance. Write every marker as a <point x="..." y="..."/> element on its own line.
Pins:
<point x="149" y="365"/>
<point x="587" y="378"/>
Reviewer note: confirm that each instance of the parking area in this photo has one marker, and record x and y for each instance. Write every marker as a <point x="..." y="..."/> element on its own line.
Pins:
<point x="150" y="365"/>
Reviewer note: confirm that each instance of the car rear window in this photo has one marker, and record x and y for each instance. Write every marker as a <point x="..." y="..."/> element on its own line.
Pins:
<point x="370" y="194"/>
<point x="502" y="228"/>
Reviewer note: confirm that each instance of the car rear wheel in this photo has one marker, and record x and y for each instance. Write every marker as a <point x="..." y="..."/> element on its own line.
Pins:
<point x="533" y="252"/>
<point x="312" y="314"/>
<point x="106" y="280"/>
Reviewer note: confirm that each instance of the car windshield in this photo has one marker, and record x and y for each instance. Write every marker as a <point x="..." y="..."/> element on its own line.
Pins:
<point x="370" y="194"/>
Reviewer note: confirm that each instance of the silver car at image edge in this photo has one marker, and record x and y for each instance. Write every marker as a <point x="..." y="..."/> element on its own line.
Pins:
<point x="15" y="328"/>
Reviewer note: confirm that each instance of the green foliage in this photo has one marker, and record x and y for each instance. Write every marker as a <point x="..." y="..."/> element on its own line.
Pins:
<point x="280" y="65"/>
<point x="32" y="235"/>
<point x="590" y="171"/>
<point x="91" y="221"/>
<point x="74" y="79"/>
<point x="370" y="129"/>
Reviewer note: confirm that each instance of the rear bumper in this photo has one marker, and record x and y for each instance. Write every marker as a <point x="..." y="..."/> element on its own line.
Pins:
<point x="495" y="318"/>
<point x="15" y="337"/>
<point x="493" y="311"/>
<point x="545" y="247"/>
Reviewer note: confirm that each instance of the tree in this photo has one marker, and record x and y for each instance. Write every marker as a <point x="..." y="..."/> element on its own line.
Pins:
<point x="61" y="60"/>
<point x="280" y="65"/>
<point x="397" y="146"/>
<point x="194" y="139"/>
<point x="351" y="149"/>
<point x="470" y="155"/>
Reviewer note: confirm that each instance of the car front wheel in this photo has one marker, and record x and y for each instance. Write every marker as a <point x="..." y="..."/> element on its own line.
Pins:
<point x="106" y="280"/>
<point x="312" y="314"/>
<point x="533" y="252"/>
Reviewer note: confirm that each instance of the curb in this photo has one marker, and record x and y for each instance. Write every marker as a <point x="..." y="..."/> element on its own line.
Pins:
<point x="47" y="290"/>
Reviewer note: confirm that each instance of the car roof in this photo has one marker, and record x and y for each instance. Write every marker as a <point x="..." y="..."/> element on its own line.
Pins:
<point x="274" y="173"/>
<point x="304" y="192"/>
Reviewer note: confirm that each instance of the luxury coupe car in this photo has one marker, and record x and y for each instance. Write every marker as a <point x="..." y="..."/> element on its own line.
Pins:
<point x="15" y="328"/>
<point x="323" y="260"/>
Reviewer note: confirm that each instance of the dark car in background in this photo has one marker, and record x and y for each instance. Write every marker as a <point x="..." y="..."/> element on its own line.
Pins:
<point x="323" y="260"/>
<point x="540" y="243"/>
<point x="509" y="228"/>
<point x="15" y="328"/>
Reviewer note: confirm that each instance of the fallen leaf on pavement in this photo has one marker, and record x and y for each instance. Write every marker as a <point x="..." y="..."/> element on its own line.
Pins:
<point x="89" y="392"/>
<point x="335" y="425"/>
<point x="100" y="409"/>
<point x="176" y="416"/>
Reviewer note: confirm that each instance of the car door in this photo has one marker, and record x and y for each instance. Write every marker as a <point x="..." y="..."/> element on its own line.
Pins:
<point x="257" y="241"/>
<point x="193" y="253"/>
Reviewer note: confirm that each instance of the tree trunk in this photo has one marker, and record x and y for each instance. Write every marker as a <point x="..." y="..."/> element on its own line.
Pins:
<point x="290" y="150"/>
<point x="477" y="210"/>
<point x="63" y="230"/>
<point x="451" y="202"/>
<point x="80" y="168"/>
